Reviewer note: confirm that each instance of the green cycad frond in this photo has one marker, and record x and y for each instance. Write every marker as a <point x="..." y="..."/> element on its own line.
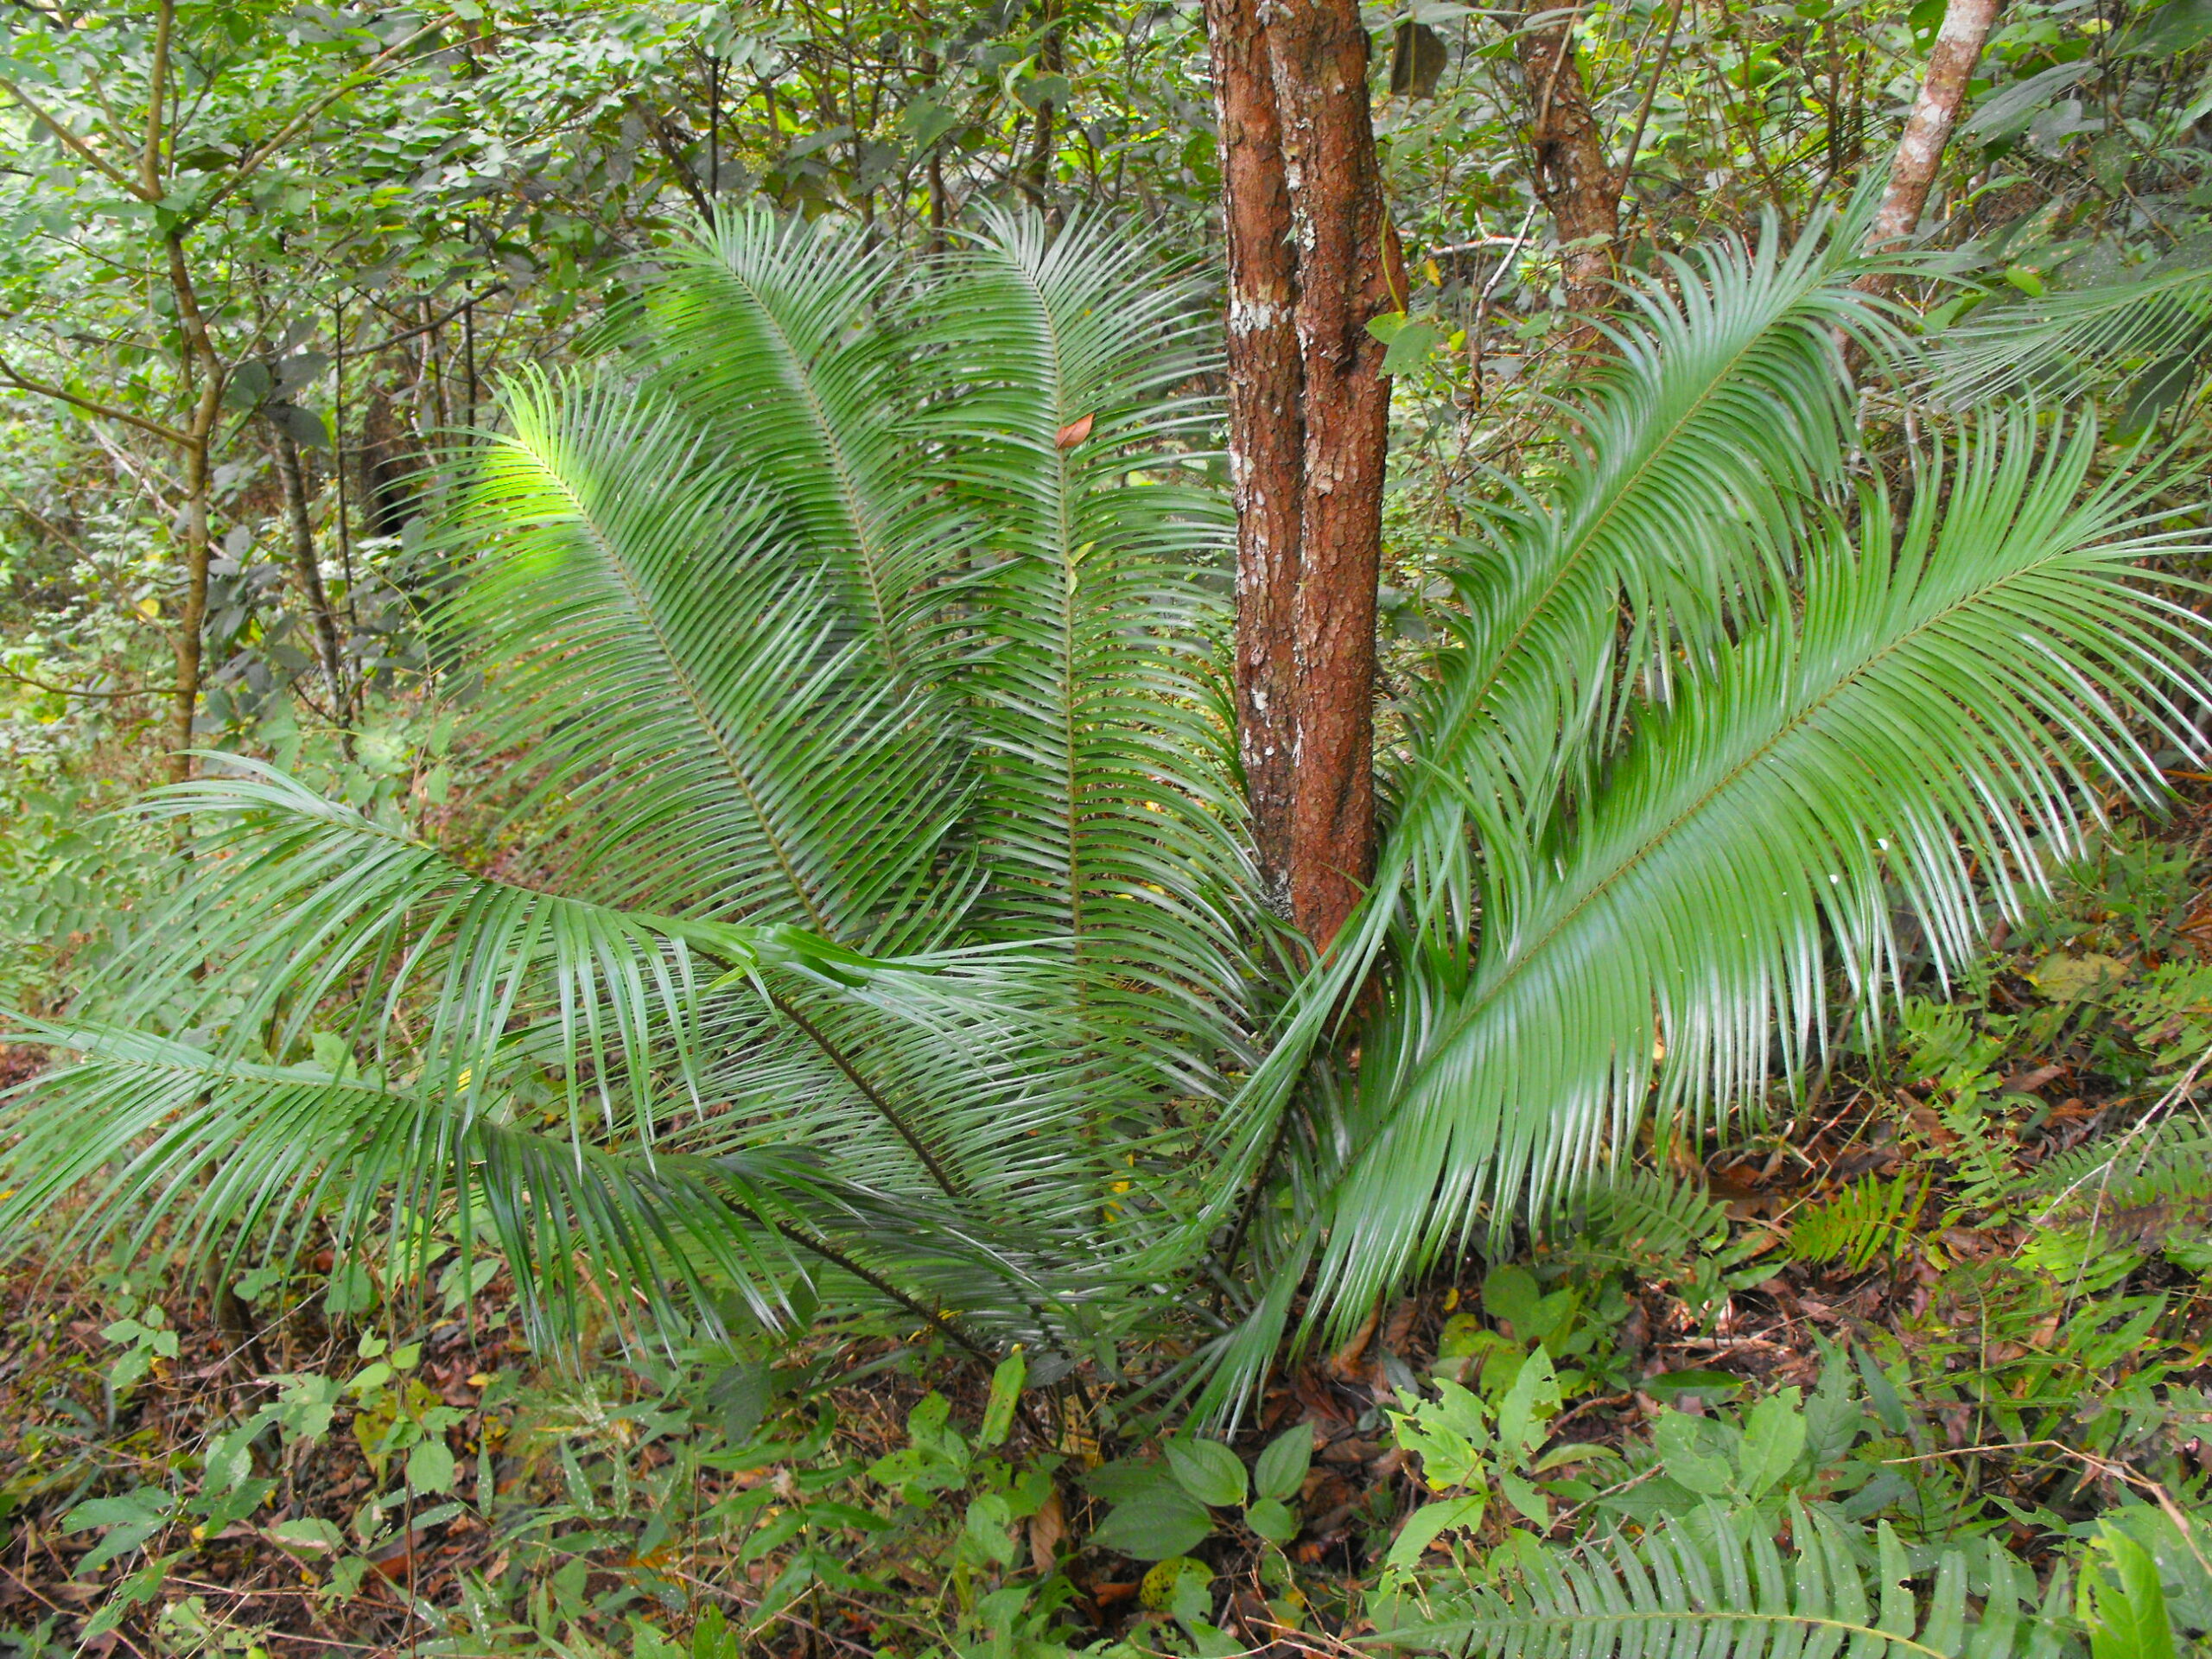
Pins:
<point x="1084" y="630"/>
<point x="1698" y="1590"/>
<point x="1696" y="452"/>
<point x="2070" y="340"/>
<point x="480" y="1007"/>
<point x="769" y="330"/>
<point x="681" y="1230"/>
<point x="213" y="1144"/>
<point x="716" y="740"/>
<point x="224" y="1150"/>
<point x="1941" y="715"/>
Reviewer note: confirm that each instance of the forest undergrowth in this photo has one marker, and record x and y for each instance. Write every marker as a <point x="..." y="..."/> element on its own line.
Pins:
<point x="1947" y="1305"/>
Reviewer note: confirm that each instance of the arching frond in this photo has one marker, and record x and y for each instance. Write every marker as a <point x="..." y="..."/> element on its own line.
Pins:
<point x="1941" y="717"/>
<point x="1698" y="452"/>
<point x="715" y="741"/>
<point x="1089" y="622"/>
<point x="224" y="1151"/>
<point x="473" y="1006"/>
<point x="2073" y="339"/>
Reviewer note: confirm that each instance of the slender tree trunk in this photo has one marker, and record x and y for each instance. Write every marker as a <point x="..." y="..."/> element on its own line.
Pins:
<point x="207" y="411"/>
<point x="1581" y="194"/>
<point x="939" y="214"/>
<point x="1308" y="411"/>
<point x="309" y="568"/>
<point x="184" y="707"/>
<point x="1052" y="58"/>
<point x="1934" y="113"/>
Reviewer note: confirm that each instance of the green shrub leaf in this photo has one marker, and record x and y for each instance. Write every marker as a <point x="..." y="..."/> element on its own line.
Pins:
<point x="1161" y="1520"/>
<point x="1208" y="1471"/>
<point x="1281" y="1469"/>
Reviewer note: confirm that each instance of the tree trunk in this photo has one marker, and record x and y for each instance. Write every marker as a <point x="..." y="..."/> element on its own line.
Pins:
<point x="1319" y="53"/>
<point x="309" y="568"/>
<point x="1052" y="58"/>
<point x="1934" y="112"/>
<point x="1581" y="194"/>
<point x="200" y="352"/>
<point x="939" y="215"/>
<point x="184" y="707"/>
<point x="1308" y="414"/>
<point x="1267" y="426"/>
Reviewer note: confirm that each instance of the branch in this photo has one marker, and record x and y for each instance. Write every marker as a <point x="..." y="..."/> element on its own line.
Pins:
<point x="438" y="322"/>
<point x="45" y="524"/>
<point x="70" y="691"/>
<point x="83" y="150"/>
<point x="300" y="123"/>
<point x="1650" y="94"/>
<point x="158" y="90"/>
<point x="1934" y="112"/>
<point x="23" y="383"/>
<point x="666" y="145"/>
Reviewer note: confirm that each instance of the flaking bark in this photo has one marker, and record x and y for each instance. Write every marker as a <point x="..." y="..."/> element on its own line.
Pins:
<point x="1579" y="190"/>
<point x="1309" y="423"/>
<point x="1934" y="113"/>
<point x="1266" y="424"/>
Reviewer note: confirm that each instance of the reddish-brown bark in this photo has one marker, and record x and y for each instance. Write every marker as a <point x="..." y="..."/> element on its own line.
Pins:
<point x="1266" y="422"/>
<point x="1308" y="413"/>
<point x="1319" y="53"/>
<point x="1581" y="194"/>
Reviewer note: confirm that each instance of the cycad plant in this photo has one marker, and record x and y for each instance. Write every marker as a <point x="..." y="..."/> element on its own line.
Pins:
<point x="889" y="932"/>
<point x="885" y="893"/>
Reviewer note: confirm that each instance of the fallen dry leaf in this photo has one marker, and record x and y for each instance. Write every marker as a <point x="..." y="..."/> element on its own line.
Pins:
<point x="1048" y="1530"/>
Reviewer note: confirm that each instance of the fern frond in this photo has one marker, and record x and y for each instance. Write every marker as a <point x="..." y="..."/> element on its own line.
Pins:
<point x="1703" y="1589"/>
<point x="1863" y="1221"/>
<point x="1639" y="1218"/>
<point x="2150" y="1187"/>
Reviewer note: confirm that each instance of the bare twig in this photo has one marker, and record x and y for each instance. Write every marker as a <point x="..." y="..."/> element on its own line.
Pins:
<point x="70" y="691"/>
<point x="11" y="376"/>
<point x="76" y="146"/>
